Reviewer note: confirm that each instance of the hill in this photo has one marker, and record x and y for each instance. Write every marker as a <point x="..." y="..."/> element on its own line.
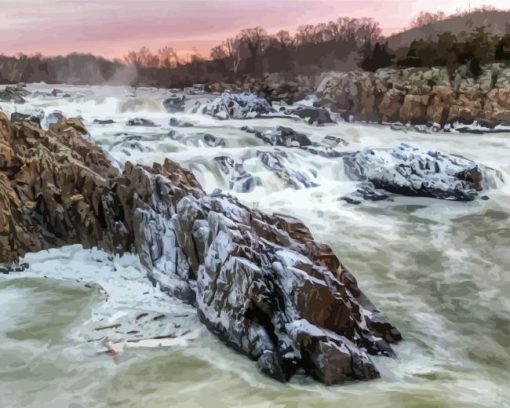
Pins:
<point x="495" y="22"/>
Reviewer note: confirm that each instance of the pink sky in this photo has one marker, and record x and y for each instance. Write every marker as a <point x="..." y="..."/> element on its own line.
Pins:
<point x="113" y="27"/>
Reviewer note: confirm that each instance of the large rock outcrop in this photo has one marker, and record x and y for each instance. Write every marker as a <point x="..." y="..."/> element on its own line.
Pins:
<point x="419" y="95"/>
<point x="411" y="171"/>
<point x="236" y="106"/>
<point x="259" y="282"/>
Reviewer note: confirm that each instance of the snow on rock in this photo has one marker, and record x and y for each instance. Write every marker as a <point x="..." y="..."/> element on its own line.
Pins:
<point x="412" y="171"/>
<point x="259" y="282"/>
<point x="284" y="136"/>
<point x="237" y="106"/>
<point x="140" y="122"/>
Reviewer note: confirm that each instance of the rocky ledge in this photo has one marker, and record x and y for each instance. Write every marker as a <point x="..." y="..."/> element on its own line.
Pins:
<point x="420" y="95"/>
<point x="260" y="282"/>
<point x="389" y="95"/>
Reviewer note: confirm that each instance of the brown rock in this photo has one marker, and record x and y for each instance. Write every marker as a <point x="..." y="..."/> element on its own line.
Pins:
<point x="260" y="282"/>
<point x="414" y="108"/>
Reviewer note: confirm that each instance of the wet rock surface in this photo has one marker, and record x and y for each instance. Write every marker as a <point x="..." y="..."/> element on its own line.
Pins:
<point x="313" y="115"/>
<point x="284" y="136"/>
<point x="366" y="192"/>
<point x="277" y="163"/>
<point x="140" y="122"/>
<point x="419" y="95"/>
<point x="237" y="106"/>
<point x="174" y="122"/>
<point x="260" y="282"/>
<point x="175" y="103"/>
<point x="411" y="171"/>
<point x="14" y="94"/>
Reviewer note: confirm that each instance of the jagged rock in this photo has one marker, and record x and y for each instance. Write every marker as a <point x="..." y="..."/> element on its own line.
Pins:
<point x="274" y="161"/>
<point x="53" y="117"/>
<point x="497" y="105"/>
<point x="13" y="267"/>
<point x="175" y="103"/>
<point x="225" y="163"/>
<point x="14" y="94"/>
<point x="129" y="145"/>
<point x="237" y="106"/>
<point x="284" y="136"/>
<point x="334" y="141"/>
<point x="240" y="180"/>
<point x="324" y="151"/>
<point x="314" y="116"/>
<point x="140" y="122"/>
<point x="365" y="191"/>
<point x="408" y="170"/>
<point x="418" y="95"/>
<point x="20" y="117"/>
<point x="414" y="109"/>
<point x="260" y="282"/>
<point x="212" y="141"/>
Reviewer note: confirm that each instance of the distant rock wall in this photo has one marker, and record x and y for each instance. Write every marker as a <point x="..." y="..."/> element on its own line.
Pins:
<point x="419" y="95"/>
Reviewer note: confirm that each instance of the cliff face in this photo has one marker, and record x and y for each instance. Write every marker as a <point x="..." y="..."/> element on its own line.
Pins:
<point x="419" y="95"/>
<point x="259" y="282"/>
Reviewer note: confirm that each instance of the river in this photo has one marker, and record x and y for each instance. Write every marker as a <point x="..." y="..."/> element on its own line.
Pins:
<point x="439" y="270"/>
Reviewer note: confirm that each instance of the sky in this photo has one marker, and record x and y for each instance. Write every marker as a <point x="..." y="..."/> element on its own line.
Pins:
<point x="113" y="27"/>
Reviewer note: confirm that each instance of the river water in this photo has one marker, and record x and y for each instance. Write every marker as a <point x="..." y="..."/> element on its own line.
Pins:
<point x="440" y="271"/>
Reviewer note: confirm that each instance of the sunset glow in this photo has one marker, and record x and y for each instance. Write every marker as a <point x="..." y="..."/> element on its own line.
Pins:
<point x="113" y="27"/>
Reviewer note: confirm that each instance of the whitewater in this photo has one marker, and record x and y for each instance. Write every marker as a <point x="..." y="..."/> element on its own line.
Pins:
<point x="81" y="328"/>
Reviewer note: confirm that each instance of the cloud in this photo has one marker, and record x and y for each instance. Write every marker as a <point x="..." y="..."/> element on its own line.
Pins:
<point x="111" y="27"/>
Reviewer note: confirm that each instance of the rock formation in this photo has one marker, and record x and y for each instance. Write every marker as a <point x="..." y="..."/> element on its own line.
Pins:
<point x="411" y="171"/>
<point x="14" y="94"/>
<point x="259" y="282"/>
<point x="236" y="106"/>
<point x="419" y="95"/>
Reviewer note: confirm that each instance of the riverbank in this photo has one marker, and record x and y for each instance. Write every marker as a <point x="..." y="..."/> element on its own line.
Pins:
<point x="412" y="95"/>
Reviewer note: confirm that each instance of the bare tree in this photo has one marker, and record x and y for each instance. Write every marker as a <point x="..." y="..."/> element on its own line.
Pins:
<point x="167" y="57"/>
<point x="219" y="52"/>
<point x="142" y="58"/>
<point x="425" y="18"/>
<point x="233" y="49"/>
<point x="255" y="40"/>
<point x="284" y="39"/>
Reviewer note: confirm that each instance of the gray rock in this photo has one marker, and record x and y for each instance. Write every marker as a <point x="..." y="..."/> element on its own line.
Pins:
<point x="284" y="136"/>
<point x="140" y="122"/>
<point x="408" y="170"/>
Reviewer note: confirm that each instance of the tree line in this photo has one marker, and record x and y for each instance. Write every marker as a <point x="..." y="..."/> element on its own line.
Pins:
<point x="343" y="44"/>
<point x="471" y="50"/>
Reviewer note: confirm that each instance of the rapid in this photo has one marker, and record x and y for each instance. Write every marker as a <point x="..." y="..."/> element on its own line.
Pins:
<point x="78" y="327"/>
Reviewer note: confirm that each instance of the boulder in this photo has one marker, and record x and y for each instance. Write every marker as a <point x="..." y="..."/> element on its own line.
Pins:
<point x="284" y="136"/>
<point x="237" y="106"/>
<point x="314" y="116"/>
<point x="14" y="94"/>
<point x="411" y="171"/>
<point x="276" y="162"/>
<point x="140" y="122"/>
<point x="174" y="122"/>
<point x="175" y="103"/>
